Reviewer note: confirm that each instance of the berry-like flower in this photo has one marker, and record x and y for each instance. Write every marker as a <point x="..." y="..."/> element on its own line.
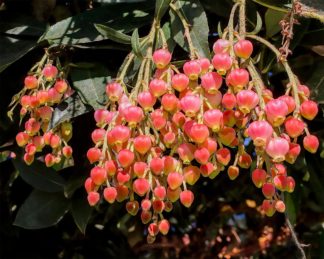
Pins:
<point x="309" y="109"/>
<point x="222" y="62"/>
<point x="259" y="177"/>
<point x="190" y="104"/>
<point x="211" y="82"/>
<point x="221" y="46"/>
<point x="229" y="101"/>
<point x="161" y="58"/>
<point x="158" y="87"/>
<point x="214" y="119"/>
<point x="50" y="72"/>
<point x="186" y="198"/>
<point x="61" y="86"/>
<point x="247" y="100"/>
<point x="192" y="69"/>
<point x="133" y="115"/>
<point x="260" y="132"/>
<point x="238" y="78"/>
<point x="311" y="143"/>
<point x="31" y="82"/>
<point x="146" y="100"/>
<point x="180" y="82"/>
<point x="277" y="148"/>
<point x="243" y="49"/>
<point x="294" y="127"/>
<point x="276" y="111"/>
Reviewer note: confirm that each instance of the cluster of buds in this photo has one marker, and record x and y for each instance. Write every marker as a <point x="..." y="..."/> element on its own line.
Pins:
<point x="42" y="91"/>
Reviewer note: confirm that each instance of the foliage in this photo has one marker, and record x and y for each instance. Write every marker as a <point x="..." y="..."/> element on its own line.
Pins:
<point x="97" y="40"/>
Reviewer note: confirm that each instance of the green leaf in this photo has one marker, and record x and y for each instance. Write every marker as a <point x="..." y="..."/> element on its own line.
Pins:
<point x="196" y="17"/>
<point x="13" y="49"/>
<point x="136" y="44"/>
<point x="290" y="208"/>
<point x="112" y="34"/>
<point x="41" y="210"/>
<point x="161" y="6"/>
<point x="81" y="212"/>
<point x="272" y="19"/>
<point x="258" y="25"/>
<point x="73" y="183"/>
<point x="219" y="30"/>
<point x="166" y="28"/>
<point x="90" y="84"/>
<point x="277" y="5"/>
<point x="20" y="25"/>
<point x="69" y="109"/>
<point x="79" y="29"/>
<point x="39" y="176"/>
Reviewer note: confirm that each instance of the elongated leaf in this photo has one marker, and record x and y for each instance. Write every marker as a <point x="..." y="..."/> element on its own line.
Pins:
<point x="258" y="26"/>
<point x="196" y="17"/>
<point x="161" y="6"/>
<point x="123" y="17"/>
<point x="112" y="34"/>
<point x="272" y="19"/>
<point x="39" y="176"/>
<point x="166" y="28"/>
<point x="290" y="208"/>
<point x="277" y="5"/>
<point x="20" y="25"/>
<point x="90" y="84"/>
<point x="13" y="49"/>
<point x="69" y="109"/>
<point x="73" y="183"/>
<point x="81" y="212"/>
<point x="41" y="210"/>
<point x="136" y="44"/>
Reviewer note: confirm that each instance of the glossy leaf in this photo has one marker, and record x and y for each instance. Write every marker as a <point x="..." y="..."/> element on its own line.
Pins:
<point x="73" y="183"/>
<point x="196" y="17"/>
<point x="41" y="210"/>
<point x="110" y="33"/>
<point x="290" y="208"/>
<point x="20" y="25"/>
<point x="258" y="25"/>
<point x="136" y="44"/>
<point x="272" y="19"/>
<point x="81" y="212"/>
<point x="166" y="28"/>
<point x="39" y="176"/>
<point x="161" y="6"/>
<point x="90" y="83"/>
<point x="13" y="49"/>
<point x="69" y="109"/>
<point x="277" y="5"/>
<point x="122" y="17"/>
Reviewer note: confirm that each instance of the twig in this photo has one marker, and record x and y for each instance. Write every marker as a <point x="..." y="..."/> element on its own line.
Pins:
<point x="294" y="237"/>
<point x="287" y="26"/>
<point x="242" y="28"/>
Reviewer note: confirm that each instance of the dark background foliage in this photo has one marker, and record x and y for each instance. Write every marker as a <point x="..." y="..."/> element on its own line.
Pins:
<point x="44" y="212"/>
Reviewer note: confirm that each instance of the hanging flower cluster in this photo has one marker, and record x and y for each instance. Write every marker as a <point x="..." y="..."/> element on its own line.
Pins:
<point x="178" y="124"/>
<point x="187" y="124"/>
<point x="43" y="90"/>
